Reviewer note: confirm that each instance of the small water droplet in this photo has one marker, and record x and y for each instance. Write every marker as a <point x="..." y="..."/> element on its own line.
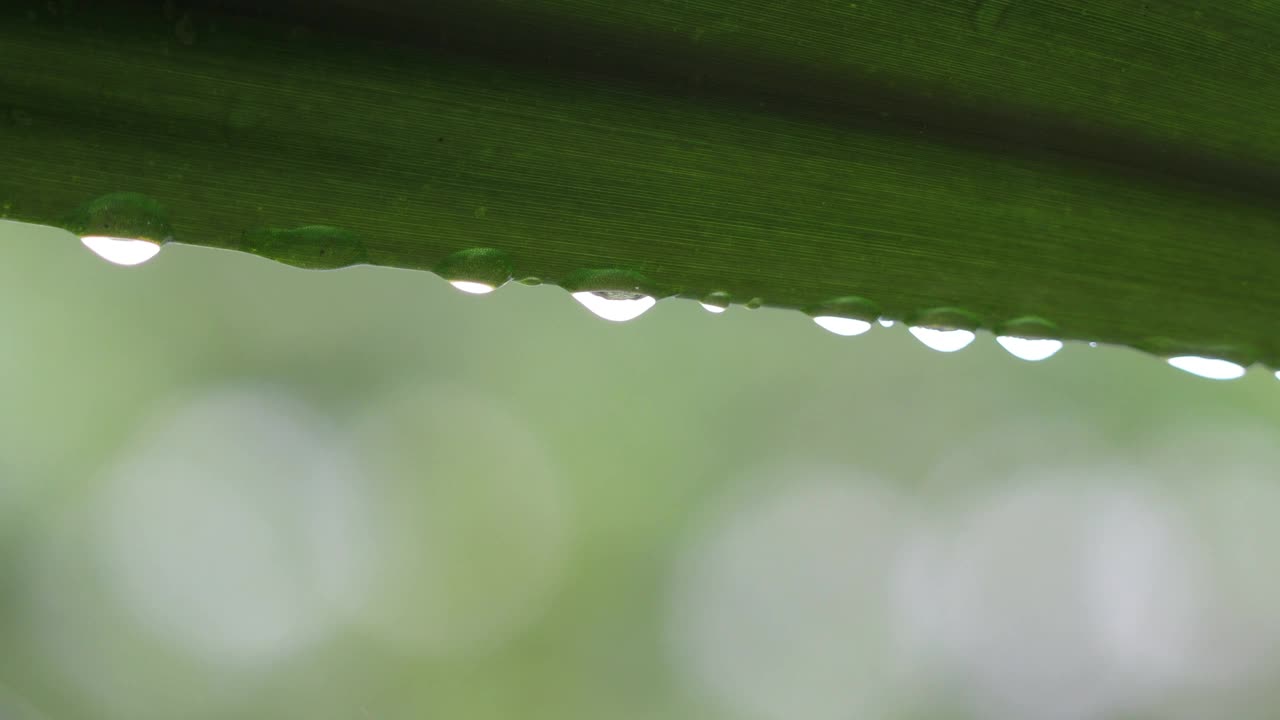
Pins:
<point x="476" y="270"/>
<point x="1093" y="344"/>
<point x="943" y="340"/>
<point x="615" y="306"/>
<point x="473" y="288"/>
<point x="885" y="323"/>
<point x="847" y="327"/>
<point x="121" y="251"/>
<point x="716" y="302"/>
<point x="1211" y="368"/>
<point x="754" y="303"/>
<point x="1029" y="349"/>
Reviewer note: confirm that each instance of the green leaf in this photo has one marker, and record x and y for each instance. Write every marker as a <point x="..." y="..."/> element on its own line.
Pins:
<point x="1103" y="171"/>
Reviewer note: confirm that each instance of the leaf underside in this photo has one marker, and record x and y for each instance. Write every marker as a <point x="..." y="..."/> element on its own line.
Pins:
<point x="1112" y="168"/>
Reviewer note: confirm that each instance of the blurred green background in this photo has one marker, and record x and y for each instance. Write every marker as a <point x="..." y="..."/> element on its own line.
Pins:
<point x="233" y="489"/>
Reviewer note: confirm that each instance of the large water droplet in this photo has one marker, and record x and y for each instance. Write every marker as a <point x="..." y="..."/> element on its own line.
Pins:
<point x="123" y="228"/>
<point x="842" y="325"/>
<point x="476" y="270"/>
<point x="1030" y="349"/>
<point x="615" y="306"/>
<point x="1030" y="338"/>
<point x="1211" y="368"/>
<point x="945" y="329"/>
<point x="617" y="295"/>
<point x="943" y="340"/>
<point x="848" y="315"/>
<point x="121" y="251"/>
<point x="716" y="302"/>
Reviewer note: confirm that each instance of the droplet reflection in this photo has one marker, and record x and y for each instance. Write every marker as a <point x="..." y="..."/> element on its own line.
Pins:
<point x="621" y="307"/>
<point x="943" y="340"/>
<point x="121" y="251"/>
<point x="842" y="325"/>
<point x="713" y="308"/>
<point x="1211" y="368"/>
<point x="1030" y="349"/>
<point x="886" y="323"/>
<point x="474" y="288"/>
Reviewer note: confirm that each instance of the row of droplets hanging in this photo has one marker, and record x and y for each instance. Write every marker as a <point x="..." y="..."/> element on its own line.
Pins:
<point x="620" y="306"/>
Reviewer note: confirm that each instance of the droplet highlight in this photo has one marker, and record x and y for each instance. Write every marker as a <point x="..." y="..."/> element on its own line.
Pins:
<point x="847" y="327"/>
<point x="943" y="340"/>
<point x="1030" y="349"/>
<point x="1210" y="368"/>
<point x="885" y="323"/>
<point x="615" y="306"/>
<point x="473" y="288"/>
<point x="715" y="309"/>
<point x="121" y="251"/>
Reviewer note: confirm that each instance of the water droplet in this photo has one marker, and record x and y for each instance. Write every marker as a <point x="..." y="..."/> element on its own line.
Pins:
<point x="314" y="247"/>
<point x="1211" y="368"/>
<point x="1030" y="338"/>
<point x="716" y="302"/>
<point x="476" y="270"/>
<point x="754" y="303"/>
<point x="849" y="315"/>
<point x="615" y="306"/>
<point x="123" y="228"/>
<point x="1030" y="349"/>
<point x="1093" y="344"/>
<point x="943" y="340"/>
<point x="885" y="323"/>
<point x="121" y="251"/>
<point x="617" y="295"/>
<point x="474" y="288"/>
<point x="842" y="325"/>
<point x="944" y="329"/>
